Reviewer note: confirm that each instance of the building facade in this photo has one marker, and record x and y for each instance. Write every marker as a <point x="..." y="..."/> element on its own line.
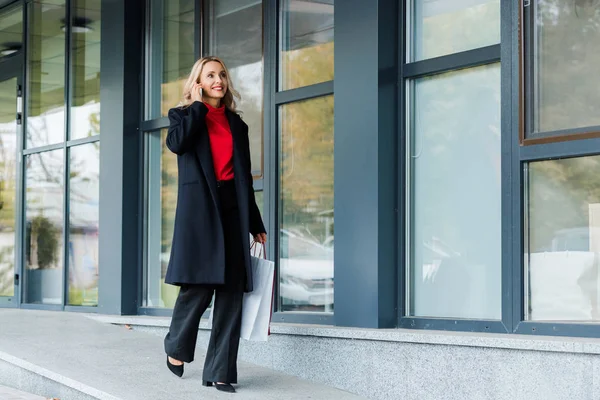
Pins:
<point x="456" y="140"/>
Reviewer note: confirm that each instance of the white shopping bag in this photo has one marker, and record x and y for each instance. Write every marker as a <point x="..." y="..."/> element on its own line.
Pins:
<point x="258" y="304"/>
<point x="257" y="308"/>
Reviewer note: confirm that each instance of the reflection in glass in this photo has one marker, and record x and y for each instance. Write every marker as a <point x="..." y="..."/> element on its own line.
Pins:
<point x="162" y="199"/>
<point x="306" y="218"/>
<point x="454" y="198"/>
<point x="171" y="54"/>
<point x="84" y="195"/>
<point x="46" y="73"/>
<point x="8" y="180"/>
<point x="236" y="36"/>
<point x="260" y="201"/>
<point x="562" y="237"/>
<point x="11" y="31"/>
<point x="85" y="40"/>
<point x="44" y="227"/>
<point x="306" y="48"/>
<point x="566" y="59"/>
<point x="442" y="27"/>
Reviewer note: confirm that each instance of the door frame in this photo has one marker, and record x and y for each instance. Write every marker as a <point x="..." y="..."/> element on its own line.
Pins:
<point x="12" y="67"/>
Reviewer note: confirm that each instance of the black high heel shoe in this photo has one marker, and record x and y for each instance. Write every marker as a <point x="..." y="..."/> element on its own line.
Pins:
<point x="176" y="369"/>
<point x="223" y="387"/>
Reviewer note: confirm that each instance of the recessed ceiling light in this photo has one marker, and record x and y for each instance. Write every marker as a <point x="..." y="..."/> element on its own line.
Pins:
<point x="8" y="52"/>
<point x="78" y="29"/>
<point x="78" y="25"/>
<point x="9" y="48"/>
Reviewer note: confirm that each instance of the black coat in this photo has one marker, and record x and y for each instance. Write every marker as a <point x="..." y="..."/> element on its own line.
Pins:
<point x="198" y="249"/>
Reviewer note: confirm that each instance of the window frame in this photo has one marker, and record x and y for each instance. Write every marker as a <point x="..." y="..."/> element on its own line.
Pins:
<point x="65" y="145"/>
<point x="277" y="98"/>
<point x="567" y="143"/>
<point x="526" y="52"/>
<point x="409" y="71"/>
<point x="516" y="153"/>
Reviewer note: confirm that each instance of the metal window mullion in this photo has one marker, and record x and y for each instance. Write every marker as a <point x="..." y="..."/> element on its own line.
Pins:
<point x="21" y="209"/>
<point x="85" y="140"/>
<point x="144" y="273"/>
<point x="145" y="109"/>
<point x="303" y="93"/>
<point x="452" y="62"/>
<point x="509" y="142"/>
<point x="67" y="134"/>
<point x="154" y="124"/>
<point x="198" y="28"/>
<point x="575" y="148"/>
<point x="270" y="141"/>
<point x="43" y="149"/>
<point x="20" y="185"/>
<point x="404" y="44"/>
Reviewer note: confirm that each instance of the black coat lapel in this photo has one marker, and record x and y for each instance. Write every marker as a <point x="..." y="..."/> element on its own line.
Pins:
<point x="204" y="153"/>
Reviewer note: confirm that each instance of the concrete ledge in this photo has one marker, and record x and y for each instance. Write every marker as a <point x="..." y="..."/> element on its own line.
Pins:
<point x="419" y="365"/>
<point x="469" y="339"/>
<point x="23" y="375"/>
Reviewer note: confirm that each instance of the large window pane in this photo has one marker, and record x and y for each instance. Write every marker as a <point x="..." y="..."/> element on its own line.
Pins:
<point x="171" y="56"/>
<point x="84" y="192"/>
<point x="442" y="27"/>
<point x="306" y="208"/>
<point x="8" y="185"/>
<point x="562" y="239"/>
<point x="236" y="36"/>
<point x="306" y="49"/>
<point x="46" y="73"/>
<point x="454" y="198"/>
<point x="44" y="227"/>
<point x="11" y="31"/>
<point x="85" y="39"/>
<point x="565" y="58"/>
<point x="162" y="200"/>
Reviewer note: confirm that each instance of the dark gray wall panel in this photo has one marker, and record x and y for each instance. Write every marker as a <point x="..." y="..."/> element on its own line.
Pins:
<point x="365" y="114"/>
<point x="120" y="156"/>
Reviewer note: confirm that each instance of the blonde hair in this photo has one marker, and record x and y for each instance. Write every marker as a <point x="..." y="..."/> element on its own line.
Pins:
<point x="230" y="95"/>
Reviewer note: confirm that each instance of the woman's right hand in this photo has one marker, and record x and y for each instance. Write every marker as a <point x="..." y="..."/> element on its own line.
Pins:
<point x="197" y="92"/>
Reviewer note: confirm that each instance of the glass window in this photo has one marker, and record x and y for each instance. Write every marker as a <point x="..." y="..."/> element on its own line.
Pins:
<point x="236" y="36"/>
<point x="171" y="56"/>
<point x="306" y="55"/>
<point x="306" y="208"/>
<point x="454" y="199"/>
<point x="565" y="65"/>
<point x="162" y="200"/>
<point x="85" y="58"/>
<point x="46" y="73"/>
<point x="442" y="27"/>
<point x="562" y="239"/>
<point x="8" y="184"/>
<point x="84" y="192"/>
<point x="11" y="31"/>
<point x="44" y="215"/>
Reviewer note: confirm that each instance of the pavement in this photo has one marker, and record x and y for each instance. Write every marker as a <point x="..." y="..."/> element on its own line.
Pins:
<point x="7" y="393"/>
<point x="104" y="361"/>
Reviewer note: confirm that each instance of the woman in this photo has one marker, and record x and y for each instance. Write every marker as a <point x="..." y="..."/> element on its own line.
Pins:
<point x="216" y="210"/>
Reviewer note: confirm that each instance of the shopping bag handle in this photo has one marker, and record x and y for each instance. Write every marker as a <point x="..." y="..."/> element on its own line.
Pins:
<point x="263" y="248"/>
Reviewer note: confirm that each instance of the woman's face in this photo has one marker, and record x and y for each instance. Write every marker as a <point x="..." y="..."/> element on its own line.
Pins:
<point x="213" y="80"/>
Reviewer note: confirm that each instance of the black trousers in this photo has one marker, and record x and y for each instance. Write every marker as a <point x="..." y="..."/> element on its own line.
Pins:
<point x="220" y="364"/>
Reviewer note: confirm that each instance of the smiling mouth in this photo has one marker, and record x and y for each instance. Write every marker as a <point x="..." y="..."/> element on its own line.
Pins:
<point x="218" y="88"/>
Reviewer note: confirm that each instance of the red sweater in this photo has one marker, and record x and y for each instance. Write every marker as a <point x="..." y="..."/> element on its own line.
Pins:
<point x="221" y="142"/>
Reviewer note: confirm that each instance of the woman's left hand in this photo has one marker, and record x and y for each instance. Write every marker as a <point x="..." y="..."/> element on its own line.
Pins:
<point x="261" y="238"/>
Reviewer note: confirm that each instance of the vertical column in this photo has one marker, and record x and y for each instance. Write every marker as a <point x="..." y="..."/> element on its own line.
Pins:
<point x="121" y="156"/>
<point x="365" y="163"/>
